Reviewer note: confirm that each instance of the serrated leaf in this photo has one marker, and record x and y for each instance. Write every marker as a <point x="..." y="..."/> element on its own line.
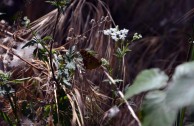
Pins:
<point x="156" y="112"/>
<point x="181" y="90"/>
<point x="147" y="80"/>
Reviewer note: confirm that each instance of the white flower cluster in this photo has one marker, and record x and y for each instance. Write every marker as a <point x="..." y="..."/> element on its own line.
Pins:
<point x="116" y="34"/>
<point x="136" y="36"/>
<point x="26" y="21"/>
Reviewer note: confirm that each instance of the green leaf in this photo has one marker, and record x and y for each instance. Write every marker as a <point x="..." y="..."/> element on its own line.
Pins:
<point x="5" y="118"/>
<point x="47" y="38"/>
<point x="66" y="82"/>
<point x="115" y="80"/>
<point x="70" y="66"/>
<point x="184" y="70"/>
<point x="147" y="80"/>
<point x="181" y="90"/>
<point x="156" y="112"/>
<point x="42" y="54"/>
<point x="52" y="3"/>
<point x="30" y="43"/>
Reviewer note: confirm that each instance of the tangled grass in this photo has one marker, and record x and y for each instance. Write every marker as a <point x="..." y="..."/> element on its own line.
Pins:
<point x="90" y="98"/>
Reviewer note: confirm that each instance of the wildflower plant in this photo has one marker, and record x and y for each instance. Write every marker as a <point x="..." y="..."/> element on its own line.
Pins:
<point x="119" y="36"/>
<point x="136" y="36"/>
<point x="121" y="44"/>
<point x="25" y="22"/>
<point x="121" y="47"/>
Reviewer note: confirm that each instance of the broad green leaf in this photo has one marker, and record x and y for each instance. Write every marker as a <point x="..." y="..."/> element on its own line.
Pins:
<point x="184" y="70"/>
<point x="147" y="80"/>
<point x="156" y="112"/>
<point x="181" y="90"/>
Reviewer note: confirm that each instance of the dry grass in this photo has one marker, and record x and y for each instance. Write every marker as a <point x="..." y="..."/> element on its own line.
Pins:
<point x="163" y="46"/>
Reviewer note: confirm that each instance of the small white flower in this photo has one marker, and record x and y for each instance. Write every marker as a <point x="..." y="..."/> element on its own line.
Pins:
<point x="113" y="34"/>
<point x="116" y="34"/>
<point x="124" y="31"/>
<point x="137" y="36"/>
<point x="114" y="37"/>
<point x="114" y="29"/>
<point x="122" y="36"/>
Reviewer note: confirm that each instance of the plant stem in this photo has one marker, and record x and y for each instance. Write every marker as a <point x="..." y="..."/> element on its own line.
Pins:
<point x="51" y="64"/>
<point x="122" y="96"/>
<point x="50" y="51"/>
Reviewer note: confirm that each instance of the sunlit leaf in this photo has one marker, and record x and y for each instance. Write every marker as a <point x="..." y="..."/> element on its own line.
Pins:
<point x="147" y="80"/>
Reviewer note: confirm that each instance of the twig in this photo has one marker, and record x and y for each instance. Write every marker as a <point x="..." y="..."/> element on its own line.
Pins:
<point x="122" y="96"/>
<point x="10" y="51"/>
<point x="12" y="35"/>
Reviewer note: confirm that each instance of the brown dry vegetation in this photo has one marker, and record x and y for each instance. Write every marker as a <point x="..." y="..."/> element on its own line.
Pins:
<point x="163" y="24"/>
